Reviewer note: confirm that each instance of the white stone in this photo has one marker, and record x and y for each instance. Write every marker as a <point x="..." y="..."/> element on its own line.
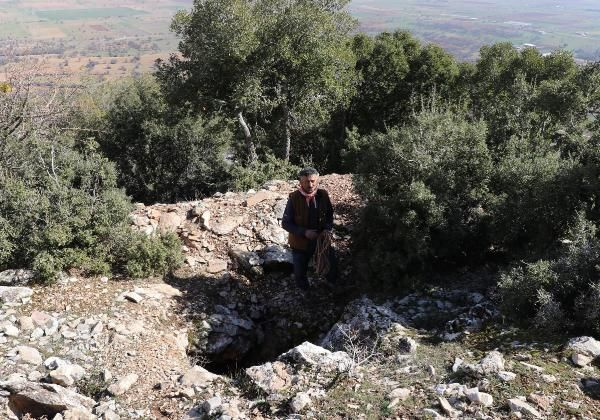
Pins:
<point x="493" y="362"/>
<point x="123" y="385"/>
<point x="300" y="402"/>
<point x="400" y="393"/>
<point x="587" y="346"/>
<point x="133" y="297"/>
<point x="212" y="406"/>
<point x="477" y="397"/>
<point x="54" y="363"/>
<point x="197" y="376"/>
<point x="581" y="360"/>
<point x="520" y="406"/>
<point x="457" y="362"/>
<point x="29" y="355"/>
<point x="507" y="376"/>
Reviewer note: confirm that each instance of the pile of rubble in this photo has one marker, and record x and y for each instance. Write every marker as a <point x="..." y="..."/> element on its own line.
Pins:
<point x="240" y="230"/>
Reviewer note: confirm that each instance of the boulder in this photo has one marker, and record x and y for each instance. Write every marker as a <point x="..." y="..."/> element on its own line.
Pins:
<point x="477" y="397"/>
<point x="493" y="362"/>
<point x="519" y="406"/>
<point x="169" y="222"/>
<point x="312" y="356"/>
<point x="28" y="355"/>
<point x="14" y="294"/>
<point x="41" y="399"/>
<point x="18" y="277"/>
<point x="123" y="385"/>
<point x="365" y="320"/>
<point x="228" y="336"/>
<point x="227" y="225"/>
<point x="197" y="376"/>
<point x="216" y="266"/>
<point x="271" y="377"/>
<point x="276" y="257"/>
<point x="259" y="197"/>
<point x="300" y="402"/>
<point x="585" y="346"/>
<point x="67" y="374"/>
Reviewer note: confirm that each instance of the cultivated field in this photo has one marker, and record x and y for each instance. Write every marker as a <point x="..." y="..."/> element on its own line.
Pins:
<point x="463" y="26"/>
<point x="85" y="39"/>
<point x="110" y="39"/>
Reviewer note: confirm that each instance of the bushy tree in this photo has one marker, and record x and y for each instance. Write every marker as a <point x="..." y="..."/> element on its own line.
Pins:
<point x="425" y="185"/>
<point x="276" y="65"/>
<point x="562" y="292"/>
<point x="60" y="207"/>
<point x="163" y="153"/>
<point x="397" y="76"/>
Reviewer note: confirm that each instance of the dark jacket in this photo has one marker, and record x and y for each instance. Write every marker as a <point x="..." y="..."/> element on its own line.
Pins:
<point x="298" y="217"/>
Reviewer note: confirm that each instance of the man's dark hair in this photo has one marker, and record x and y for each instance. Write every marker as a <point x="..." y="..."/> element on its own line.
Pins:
<point x="308" y="172"/>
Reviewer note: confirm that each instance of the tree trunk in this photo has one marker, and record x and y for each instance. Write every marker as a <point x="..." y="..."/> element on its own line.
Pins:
<point x="252" y="157"/>
<point x="286" y="131"/>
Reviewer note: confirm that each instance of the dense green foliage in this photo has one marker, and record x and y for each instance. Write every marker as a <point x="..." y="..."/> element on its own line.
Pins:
<point x="163" y="153"/>
<point x="60" y="208"/>
<point x="279" y="67"/>
<point x="426" y="184"/>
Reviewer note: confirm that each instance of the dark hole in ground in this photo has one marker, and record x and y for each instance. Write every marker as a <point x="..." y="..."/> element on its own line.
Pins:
<point x="281" y="330"/>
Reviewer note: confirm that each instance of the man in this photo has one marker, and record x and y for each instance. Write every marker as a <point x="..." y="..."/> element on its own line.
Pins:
<point x="307" y="214"/>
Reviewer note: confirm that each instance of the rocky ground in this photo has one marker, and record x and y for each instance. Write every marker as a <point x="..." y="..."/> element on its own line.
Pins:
<point x="229" y="336"/>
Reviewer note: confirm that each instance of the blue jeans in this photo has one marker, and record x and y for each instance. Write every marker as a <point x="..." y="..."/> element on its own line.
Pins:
<point x="301" y="260"/>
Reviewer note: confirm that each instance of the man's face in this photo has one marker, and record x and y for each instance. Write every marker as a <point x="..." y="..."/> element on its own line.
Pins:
<point x="309" y="183"/>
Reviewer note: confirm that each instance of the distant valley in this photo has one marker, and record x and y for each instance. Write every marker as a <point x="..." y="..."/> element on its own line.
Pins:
<point x="111" y="39"/>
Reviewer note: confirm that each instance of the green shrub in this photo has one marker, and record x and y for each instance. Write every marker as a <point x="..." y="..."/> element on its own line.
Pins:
<point x="536" y="192"/>
<point x="425" y="185"/>
<point x="562" y="292"/>
<point x="253" y="176"/>
<point x="163" y="154"/>
<point x="147" y="256"/>
<point x="61" y="208"/>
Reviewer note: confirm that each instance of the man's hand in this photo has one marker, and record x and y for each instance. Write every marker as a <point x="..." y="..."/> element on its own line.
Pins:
<point x="311" y="234"/>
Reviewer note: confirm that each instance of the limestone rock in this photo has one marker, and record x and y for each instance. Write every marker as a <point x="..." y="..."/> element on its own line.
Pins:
<point x="227" y="225"/>
<point x="276" y="257"/>
<point x="67" y="374"/>
<point x="28" y="355"/>
<point x="197" y="376"/>
<point x="477" y="397"/>
<point x="169" y="222"/>
<point x="270" y="377"/>
<point x="78" y="414"/>
<point x="8" y="329"/>
<point x="18" y="277"/>
<point x="259" y="197"/>
<point x="493" y="362"/>
<point x="581" y="360"/>
<point x="216" y="266"/>
<point x="41" y="399"/>
<point x="587" y="346"/>
<point x="364" y="318"/>
<point x="520" y="406"/>
<point x="507" y="376"/>
<point x="300" y="402"/>
<point x="133" y="297"/>
<point x="16" y="294"/>
<point x="540" y="400"/>
<point x="400" y="393"/>
<point x="310" y="355"/>
<point x="212" y="406"/>
<point x="26" y="323"/>
<point x="123" y="385"/>
<point x="447" y="407"/>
